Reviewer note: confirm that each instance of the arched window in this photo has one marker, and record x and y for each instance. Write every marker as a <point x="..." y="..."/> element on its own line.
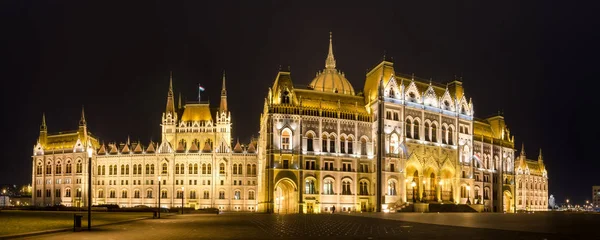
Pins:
<point x="364" y="188"/>
<point x="151" y="168"/>
<point x="190" y="168"/>
<point x="123" y="169"/>
<point x="350" y="147"/>
<point x="103" y="169"/>
<point x="204" y="168"/>
<point x="100" y="193"/>
<point x="328" y="186"/>
<point x="68" y="167"/>
<point x="251" y="195"/>
<point x="342" y="144"/>
<point x="408" y="128"/>
<point x="163" y="193"/>
<point x="392" y="188"/>
<point x="209" y="170"/>
<point x="486" y="193"/>
<point x="206" y="194"/>
<point x="286" y="139"/>
<point x="68" y="192"/>
<point x="222" y="168"/>
<point x="124" y="194"/>
<point x="58" y="168"/>
<point x="285" y="98"/>
<point x="164" y="168"/>
<point x="48" y="169"/>
<point x="177" y="168"/>
<point x="476" y="192"/>
<point x="392" y="93"/>
<point x="433" y="132"/>
<point x="324" y="143"/>
<point x="444" y="137"/>
<point x="112" y="194"/>
<point x="309" y="186"/>
<point x="427" y="132"/>
<point x="309" y="142"/>
<point x="192" y="194"/>
<point x="346" y="188"/>
<point x="237" y="195"/>
<point x="99" y="170"/>
<point x="195" y="168"/>
<point x="332" y="143"/>
<point x="393" y="143"/>
<point x="363" y="146"/>
<point x="416" y="130"/>
<point x="253" y="169"/>
<point x="463" y="191"/>
<point x="136" y="194"/>
<point x="235" y="169"/>
<point x="79" y="166"/>
<point x="221" y="194"/>
<point x="248" y="169"/>
<point x="450" y="137"/>
<point x="240" y="169"/>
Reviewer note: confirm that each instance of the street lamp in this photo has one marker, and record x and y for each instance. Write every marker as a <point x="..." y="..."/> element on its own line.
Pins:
<point x="89" y="153"/>
<point x="4" y="197"/>
<point x="468" y="194"/>
<point x="182" y="194"/>
<point x="413" y="184"/>
<point x="567" y="204"/>
<point x="159" y="196"/>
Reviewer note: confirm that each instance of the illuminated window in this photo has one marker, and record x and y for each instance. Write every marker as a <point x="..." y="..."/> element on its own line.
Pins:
<point x="286" y="139"/>
<point x="328" y="186"/>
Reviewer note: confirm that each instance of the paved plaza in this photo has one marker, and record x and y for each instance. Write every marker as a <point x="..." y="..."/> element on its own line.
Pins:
<point x="347" y="226"/>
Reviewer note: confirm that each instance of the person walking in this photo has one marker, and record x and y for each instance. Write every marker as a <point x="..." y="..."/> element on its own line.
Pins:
<point x="333" y="209"/>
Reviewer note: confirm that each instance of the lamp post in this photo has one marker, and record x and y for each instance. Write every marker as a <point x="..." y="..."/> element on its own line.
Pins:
<point x="182" y="194"/>
<point x="441" y="191"/>
<point x="4" y="197"/>
<point x="424" y="192"/>
<point x="158" y="195"/>
<point x="413" y="184"/>
<point x="89" y="153"/>
<point x="468" y="194"/>
<point x="567" y="204"/>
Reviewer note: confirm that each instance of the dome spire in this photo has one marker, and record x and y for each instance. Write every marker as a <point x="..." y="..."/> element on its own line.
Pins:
<point x="330" y="62"/>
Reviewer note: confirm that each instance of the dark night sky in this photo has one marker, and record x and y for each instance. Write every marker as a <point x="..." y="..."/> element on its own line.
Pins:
<point x="530" y="60"/>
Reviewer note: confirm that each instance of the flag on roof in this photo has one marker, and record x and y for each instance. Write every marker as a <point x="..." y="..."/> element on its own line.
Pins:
<point x="200" y="88"/>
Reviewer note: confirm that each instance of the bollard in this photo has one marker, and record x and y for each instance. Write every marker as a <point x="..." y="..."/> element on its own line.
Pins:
<point x="77" y="222"/>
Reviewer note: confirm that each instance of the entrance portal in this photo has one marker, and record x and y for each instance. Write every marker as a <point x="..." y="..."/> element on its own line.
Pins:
<point x="310" y="208"/>
<point x="286" y="196"/>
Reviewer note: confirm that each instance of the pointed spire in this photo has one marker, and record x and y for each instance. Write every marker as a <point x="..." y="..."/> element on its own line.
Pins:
<point x="223" y="89"/>
<point x="223" y="105"/>
<point x="82" y="120"/>
<point x="128" y="141"/>
<point x="540" y="157"/>
<point x="170" y="101"/>
<point x="179" y="104"/>
<point x="330" y="62"/>
<point x="43" y="127"/>
<point x="523" y="149"/>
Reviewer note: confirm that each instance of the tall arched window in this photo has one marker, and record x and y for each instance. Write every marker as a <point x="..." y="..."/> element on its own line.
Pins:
<point x="350" y="145"/>
<point x="240" y="169"/>
<point x="450" y="137"/>
<point x="408" y="128"/>
<point x="433" y="132"/>
<point x="203" y="168"/>
<point x="324" y="143"/>
<point x="285" y="98"/>
<point x="103" y="169"/>
<point x="251" y="195"/>
<point x="363" y="146"/>
<point x="309" y="142"/>
<point x="416" y="130"/>
<point x="328" y="186"/>
<point x="190" y="168"/>
<point x="427" y="132"/>
<point x="286" y="139"/>
<point x="235" y="169"/>
<point x="222" y="168"/>
<point x="444" y="135"/>
<point x="151" y="168"/>
<point x="164" y="168"/>
<point x="309" y="186"/>
<point x="342" y="144"/>
<point x="346" y="188"/>
<point x="248" y="169"/>
<point x="364" y="188"/>
<point x="124" y="194"/>
<point x="253" y="169"/>
<point x="195" y="168"/>
<point x="79" y="166"/>
<point x="177" y="168"/>
<point x="332" y="143"/>
<point x="209" y="170"/>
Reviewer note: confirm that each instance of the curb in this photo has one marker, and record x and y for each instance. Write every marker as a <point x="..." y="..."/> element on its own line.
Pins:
<point x="67" y="229"/>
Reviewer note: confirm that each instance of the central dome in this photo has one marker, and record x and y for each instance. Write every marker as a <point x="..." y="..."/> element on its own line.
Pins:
<point x="333" y="81"/>
<point x="330" y="79"/>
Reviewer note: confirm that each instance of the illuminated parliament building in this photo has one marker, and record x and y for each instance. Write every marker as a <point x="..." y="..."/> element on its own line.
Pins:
<point x="400" y="144"/>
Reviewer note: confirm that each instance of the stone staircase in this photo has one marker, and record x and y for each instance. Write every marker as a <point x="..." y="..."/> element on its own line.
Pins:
<point x="438" y="207"/>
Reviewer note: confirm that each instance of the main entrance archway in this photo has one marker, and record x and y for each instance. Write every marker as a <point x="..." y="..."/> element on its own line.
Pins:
<point x="286" y="196"/>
